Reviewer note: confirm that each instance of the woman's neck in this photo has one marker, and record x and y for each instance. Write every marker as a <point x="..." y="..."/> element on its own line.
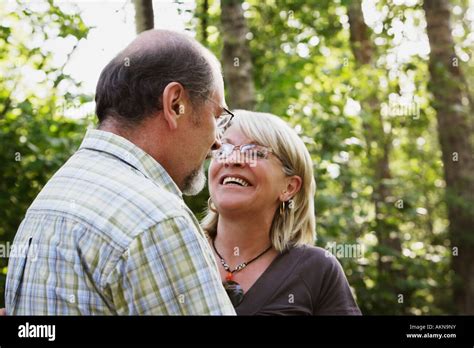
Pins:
<point x="241" y="239"/>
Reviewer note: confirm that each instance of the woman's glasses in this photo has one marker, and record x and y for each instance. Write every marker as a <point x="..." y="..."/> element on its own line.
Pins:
<point x="246" y="150"/>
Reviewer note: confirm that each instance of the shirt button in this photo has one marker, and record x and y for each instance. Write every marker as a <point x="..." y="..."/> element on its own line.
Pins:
<point x="72" y="299"/>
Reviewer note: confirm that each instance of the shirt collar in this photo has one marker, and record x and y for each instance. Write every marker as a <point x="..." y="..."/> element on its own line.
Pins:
<point x="126" y="151"/>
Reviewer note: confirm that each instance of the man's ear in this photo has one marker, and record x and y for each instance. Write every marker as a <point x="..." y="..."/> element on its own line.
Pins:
<point x="293" y="186"/>
<point x="174" y="103"/>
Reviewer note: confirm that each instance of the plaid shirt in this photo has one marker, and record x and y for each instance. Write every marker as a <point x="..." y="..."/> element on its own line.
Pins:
<point x="110" y="234"/>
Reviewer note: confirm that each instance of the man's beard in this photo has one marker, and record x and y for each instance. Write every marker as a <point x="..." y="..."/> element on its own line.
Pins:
<point x="195" y="182"/>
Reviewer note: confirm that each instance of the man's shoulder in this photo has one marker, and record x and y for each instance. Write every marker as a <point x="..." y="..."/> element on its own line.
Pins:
<point x="108" y="195"/>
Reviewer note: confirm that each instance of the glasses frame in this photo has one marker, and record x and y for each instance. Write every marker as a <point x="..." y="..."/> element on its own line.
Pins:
<point x="226" y="112"/>
<point x="239" y="147"/>
<point x="268" y="151"/>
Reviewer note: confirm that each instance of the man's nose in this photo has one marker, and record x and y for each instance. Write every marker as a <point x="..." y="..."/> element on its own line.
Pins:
<point x="217" y="144"/>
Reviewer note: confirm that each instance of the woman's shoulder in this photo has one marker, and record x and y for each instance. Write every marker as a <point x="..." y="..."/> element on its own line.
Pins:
<point x="313" y="256"/>
<point x="322" y="274"/>
<point x="311" y="252"/>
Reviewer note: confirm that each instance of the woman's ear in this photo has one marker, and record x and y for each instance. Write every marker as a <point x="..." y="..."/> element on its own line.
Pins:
<point x="293" y="186"/>
<point x="174" y="101"/>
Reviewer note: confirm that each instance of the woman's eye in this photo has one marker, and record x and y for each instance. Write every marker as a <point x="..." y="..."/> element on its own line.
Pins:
<point x="261" y="154"/>
<point x="246" y="149"/>
<point x="219" y="153"/>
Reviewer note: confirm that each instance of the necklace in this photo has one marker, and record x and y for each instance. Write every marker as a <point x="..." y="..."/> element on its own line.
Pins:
<point x="233" y="289"/>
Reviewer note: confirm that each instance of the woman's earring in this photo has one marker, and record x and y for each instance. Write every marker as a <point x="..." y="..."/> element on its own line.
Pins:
<point x="282" y="208"/>
<point x="211" y="205"/>
<point x="291" y="205"/>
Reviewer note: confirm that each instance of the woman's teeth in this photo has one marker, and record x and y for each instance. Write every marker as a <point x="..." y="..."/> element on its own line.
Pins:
<point x="233" y="180"/>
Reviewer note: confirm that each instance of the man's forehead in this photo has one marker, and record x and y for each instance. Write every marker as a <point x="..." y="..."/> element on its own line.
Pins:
<point x="219" y="88"/>
<point x="218" y="97"/>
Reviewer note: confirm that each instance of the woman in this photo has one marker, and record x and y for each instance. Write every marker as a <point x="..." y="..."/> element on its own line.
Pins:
<point x="261" y="224"/>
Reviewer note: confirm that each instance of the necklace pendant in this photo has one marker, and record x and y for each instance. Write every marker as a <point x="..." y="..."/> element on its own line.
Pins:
<point x="229" y="276"/>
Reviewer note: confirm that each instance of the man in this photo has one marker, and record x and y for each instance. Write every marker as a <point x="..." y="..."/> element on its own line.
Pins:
<point x="110" y="233"/>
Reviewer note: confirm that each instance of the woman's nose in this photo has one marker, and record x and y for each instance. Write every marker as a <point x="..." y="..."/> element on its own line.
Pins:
<point x="235" y="159"/>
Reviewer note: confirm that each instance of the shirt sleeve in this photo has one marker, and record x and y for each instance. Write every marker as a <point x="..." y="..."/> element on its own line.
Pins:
<point x="335" y="297"/>
<point x="167" y="271"/>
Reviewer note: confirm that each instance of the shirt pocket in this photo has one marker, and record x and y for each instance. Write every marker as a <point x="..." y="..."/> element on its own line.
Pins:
<point x="18" y="260"/>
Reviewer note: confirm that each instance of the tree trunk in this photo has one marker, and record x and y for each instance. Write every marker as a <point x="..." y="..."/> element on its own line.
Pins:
<point x="204" y="18"/>
<point x="143" y="15"/>
<point x="455" y="130"/>
<point x="237" y="63"/>
<point x="378" y="156"/>
<point x="360" y="42"/>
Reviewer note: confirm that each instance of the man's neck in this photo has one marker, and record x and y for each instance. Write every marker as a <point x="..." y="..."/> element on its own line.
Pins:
<point x="131" y="134"/>
<point x="144" y="136"/>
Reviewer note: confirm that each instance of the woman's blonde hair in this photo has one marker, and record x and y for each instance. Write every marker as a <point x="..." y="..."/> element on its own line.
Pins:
<point x="296" y="226"/>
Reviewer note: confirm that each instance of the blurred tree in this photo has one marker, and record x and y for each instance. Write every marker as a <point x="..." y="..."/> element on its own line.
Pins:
<point x="144" y="16"/>
<point x="236" y="59"/>
<point x="204" y="21"/>
<point x="455" y="128"/>
<point x="378" y="142"/>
